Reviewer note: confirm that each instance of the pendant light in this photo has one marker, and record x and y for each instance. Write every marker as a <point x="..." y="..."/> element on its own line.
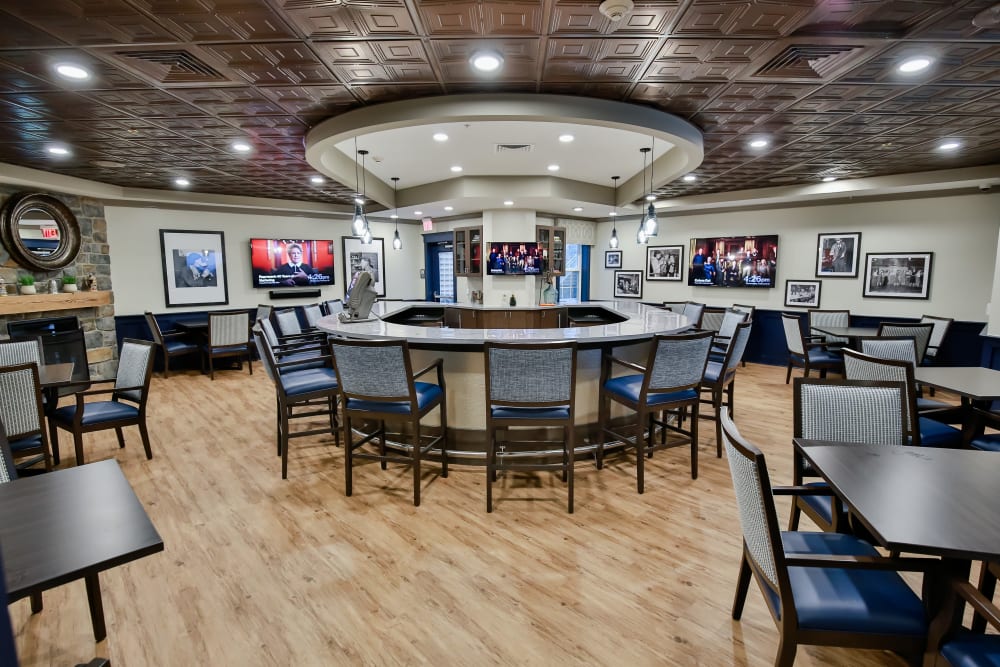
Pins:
<point x="359" y="223"/>
<point x="613" y="242"/>
<point x="397" y="243"/>
<point x="650" y="225"/>
<point x="366" y="230"/>
<point x="640" y="235"/>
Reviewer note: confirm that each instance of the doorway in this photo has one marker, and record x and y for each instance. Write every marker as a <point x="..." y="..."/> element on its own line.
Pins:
<point x="439" y="260"/>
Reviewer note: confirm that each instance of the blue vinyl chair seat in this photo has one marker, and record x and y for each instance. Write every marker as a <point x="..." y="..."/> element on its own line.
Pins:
<point x="973" y="650"/>
<point x="629" y="386"/>
<point x="849" y="600"/>
<point x="989" y="442"/>
<point x="506" y="412"/>
<point x="930" y="404"/>
<point x="179" y="346"/>
<point x="226" y="349"/>
<point x="818" y="356"/>
<point x="936" y="434"/>
<point x="426" y="394"/>
<point x="20" y="444"/>
<point x="822" y="505"/>
<point x="308" y="380"/>
<point x="97" y="412"/>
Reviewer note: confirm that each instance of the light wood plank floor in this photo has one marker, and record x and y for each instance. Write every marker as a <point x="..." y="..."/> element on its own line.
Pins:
<point x="261" y="571"/>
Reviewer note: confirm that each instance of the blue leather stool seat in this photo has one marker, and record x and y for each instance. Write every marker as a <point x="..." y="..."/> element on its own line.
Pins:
<point x="557" y="412"/>
<point x="309" y="380"/>
<point x="629" y="386"/>
<point x="973" y="650"/>
<point x="95" y="413"/>
<point x="427" y="393"/>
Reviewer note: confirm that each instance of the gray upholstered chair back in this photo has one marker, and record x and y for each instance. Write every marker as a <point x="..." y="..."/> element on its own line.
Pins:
<point x="21" y="352"/>
<point x="312" y="313"/>
<point x="731" y="320"/>
<point x="8" y="472"/>
<point x="743" y="308"/>
<point x="849" y="411"/>
<point x="678" y="361"/>
<point x="711" y="318"/>
<point x="793" y="333"/>
<point x="377" y="370"/>
<point x="543" y="375"/>
<point x="830" y="318"/>
<point x="738" y="345"/>
<point x="675" y="306"/>
<point x="333" y="306"/>
<point x="920" y="333"/>
<point x="20" y="399"/>
<point x="264" y="351"/>
<point x="753" y="497"/>
<point x="154" y="328"/>
<point x="900" y="349"/>
<point x="288" y="322"/>
<point x="694" y="311"/>
<point x="263" y="313"/>
<point x="269" y="333"/>
<point x="941" y="326"/>
<point x="135" y="366"/>
<point x="859" y="366"/>
<point x="228" y="329"/>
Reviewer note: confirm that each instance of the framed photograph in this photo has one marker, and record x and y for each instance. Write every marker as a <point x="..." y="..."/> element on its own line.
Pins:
<point x="664" y="262"/>
<point x="612" y="259"/>
<point x="360" y="257"/>
<point x="194" y="268"/>
<point x="628" y="284"/>
<point x="838" y="255"/>
<point x="802" y="293"/>
<point x="898" y="275"/>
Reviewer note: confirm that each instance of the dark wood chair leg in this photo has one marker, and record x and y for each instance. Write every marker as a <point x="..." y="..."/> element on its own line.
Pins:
<point x="788" y="375"/>
<point x="786" y="652"/>
<point x="36" y="603"/>
<point x="444" y="439"/>
<point x="742" y="586"/>
<point x="491" y="462"/>
<point x="145" y="439"/>
<point x="284" y="442"/>
<point x="603" y="408"/>
<point x="348" y="462"/>
<point x="120" y="434"/>
<point x="166" y="365"/>
<point x="568" y="436"/>
<point x="987" y="586"/>
<point x="640" y="444"/>
<point x="54" y="441"/>
<point x="416" y="462"/>
<point x="78" y="446"/>
<point x="694" y="441"/>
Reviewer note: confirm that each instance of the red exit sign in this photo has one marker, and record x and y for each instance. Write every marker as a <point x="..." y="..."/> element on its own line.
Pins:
<point x="50" y="232"/>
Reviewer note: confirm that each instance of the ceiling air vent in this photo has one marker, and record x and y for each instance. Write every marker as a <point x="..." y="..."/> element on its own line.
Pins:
<point x="515" y="148"/>
<point x="805" y="61"/>
<point x="175" y="66"/>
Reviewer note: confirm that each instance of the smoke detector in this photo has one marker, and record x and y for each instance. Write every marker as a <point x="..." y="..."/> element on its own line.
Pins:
<point x="616" y="10"/>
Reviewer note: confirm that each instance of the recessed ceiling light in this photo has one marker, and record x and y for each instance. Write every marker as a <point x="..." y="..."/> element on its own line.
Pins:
<point x="949" y="145"/>
<point x="553" y="167"/>
<point x="58" y="150"/>
<point x="418" y="213"/>
<point x="566" y="138"/>
<point x="241" y="147"/>
<point x="317" y="180"/>
<point x="449" y="208"/>
<point x="508" y="203"/>
<point x="758" y="143"/>
<point x="71" y="71"/>
<point x="690" y="178"/>
<point x="577" y="208"/>
<point x="829" y="179"/>
<point x="456" y="169"/>
<point x="440" y="136"/>
<point x="915" y="64"/>
<point x="183" y="182"/>
<point x="486" y="61"/>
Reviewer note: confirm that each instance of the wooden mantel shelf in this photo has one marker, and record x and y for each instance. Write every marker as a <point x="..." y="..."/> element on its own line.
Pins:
<point x="43" y="303"/>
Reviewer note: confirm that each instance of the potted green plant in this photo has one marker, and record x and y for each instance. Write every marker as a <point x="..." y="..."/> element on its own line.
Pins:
<point x="69" y="283"/>
<point x="27" y="284"/>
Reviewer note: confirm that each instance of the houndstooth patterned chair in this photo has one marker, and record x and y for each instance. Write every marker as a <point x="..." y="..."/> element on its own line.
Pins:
<point x="126" y="406"/>
<point x="668" y="382"/>
<point x="840" y="319"/>
<point x="920" y="333"/>
<point x="543" y="397"/>
<point x="938" y="334"/>
<point x="807" y="355"/>
<point x="21" y="352"/>
<point x="23" y="416"/>
<point x="228" y="337"/>
<point x="171" y="343"/>
<point x="378" y="384"/>
<point x="900" y="349"/>
<point x="720" y="377"/>
<point x="845" y="411"/>
<point x="826" y="589"/>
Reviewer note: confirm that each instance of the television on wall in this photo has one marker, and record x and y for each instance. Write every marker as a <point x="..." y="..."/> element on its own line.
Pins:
<point x="734" y="261"/>
<point x="277" y="263"/>
<point x="515" y="258"/>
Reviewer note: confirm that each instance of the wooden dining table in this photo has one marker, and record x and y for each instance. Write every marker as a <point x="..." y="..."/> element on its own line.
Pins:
<point x="978" y="387"/>
<point x="852" y="334"/>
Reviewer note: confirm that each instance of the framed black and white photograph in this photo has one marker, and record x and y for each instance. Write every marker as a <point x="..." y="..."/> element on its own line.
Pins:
<point x="612" y="259"/>
<point x="194" y="268"/>
<point x="664" y="262"/>
<point x="361" y="257"/>
<point x="802" y="293"/>
<point x="898" y="275"/>
<point x="838" y="255"/>
<point x="628" y="284"/>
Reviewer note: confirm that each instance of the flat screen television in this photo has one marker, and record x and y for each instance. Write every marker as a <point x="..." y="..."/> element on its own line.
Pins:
<point x="278" y="263"/>
<point x="515" y="258"/>
<point x="734" y="261"/>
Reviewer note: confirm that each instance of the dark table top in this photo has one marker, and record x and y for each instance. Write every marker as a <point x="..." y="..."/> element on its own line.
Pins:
<point x="917" y="499"/>
<point x="199" y="324"/>
<point x="55" y="375"/>
<point x="64" y="525"/>
<point x="847" y="332"/>
<point x="981" y="384"/>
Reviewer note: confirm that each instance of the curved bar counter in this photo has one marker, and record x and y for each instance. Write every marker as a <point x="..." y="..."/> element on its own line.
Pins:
<point x="595" y="326"/>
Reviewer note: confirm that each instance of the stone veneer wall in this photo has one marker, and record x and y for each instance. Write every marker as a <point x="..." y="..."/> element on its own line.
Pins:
<point x="95" y="257"/>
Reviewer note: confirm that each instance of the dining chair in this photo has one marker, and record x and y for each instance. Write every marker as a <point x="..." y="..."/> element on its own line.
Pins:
<point x="962" y="647"/>
<point x="807" y="354"/>
<point x="21" y="352"/>
<point x="263" y="312"/>
<point x="675" y="306"/>
<point x="306" y="350"/>
<point x="938" y="334"/>
<point x="900" y="349"/>
<point x="228" y="337"/>
<point x="724" y="334"/>
<point x="826" y="589"/>
<point x="694" y="311"/>
<point x="542" y="398"/>
<point x="313" y="388"/>
<point x="377" y="383"/>
<point x="845" y="411"/>
<point x="128" y="394"/>
<point x="719" y="379"/>
<point x="332" y="307"/>
<point x="23" y="416"/>
<point x="922" y="431"/>
<point x="8" y="473"/>
<point x="312" y="313"/>
<point x="288" y="322"/>
<point x="668" y="382"/>
<point x="711" y="318"/>
<point x="171" y="343"/>
<point x="840" y="319"/>
<point x="920" y="333"/>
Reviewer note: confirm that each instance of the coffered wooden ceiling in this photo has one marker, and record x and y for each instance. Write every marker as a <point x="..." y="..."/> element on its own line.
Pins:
<point x="175" y="82"/>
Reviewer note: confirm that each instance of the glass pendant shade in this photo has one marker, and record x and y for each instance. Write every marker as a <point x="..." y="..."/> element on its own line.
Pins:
<point x="359" y="220"/>
<point x="651" y="226"/>
<point x="640" y="236"/>
<point x="366" y="236"/>
<point x="613" y="242"/>
<point x="397" y="242"/>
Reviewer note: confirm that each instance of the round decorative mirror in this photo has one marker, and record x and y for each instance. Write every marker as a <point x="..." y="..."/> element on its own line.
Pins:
<point x="39" y="231"/>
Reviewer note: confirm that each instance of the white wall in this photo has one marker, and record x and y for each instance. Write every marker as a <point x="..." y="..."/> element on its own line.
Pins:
<point x="961" y="231"/>
<point x="137" y="268"/>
